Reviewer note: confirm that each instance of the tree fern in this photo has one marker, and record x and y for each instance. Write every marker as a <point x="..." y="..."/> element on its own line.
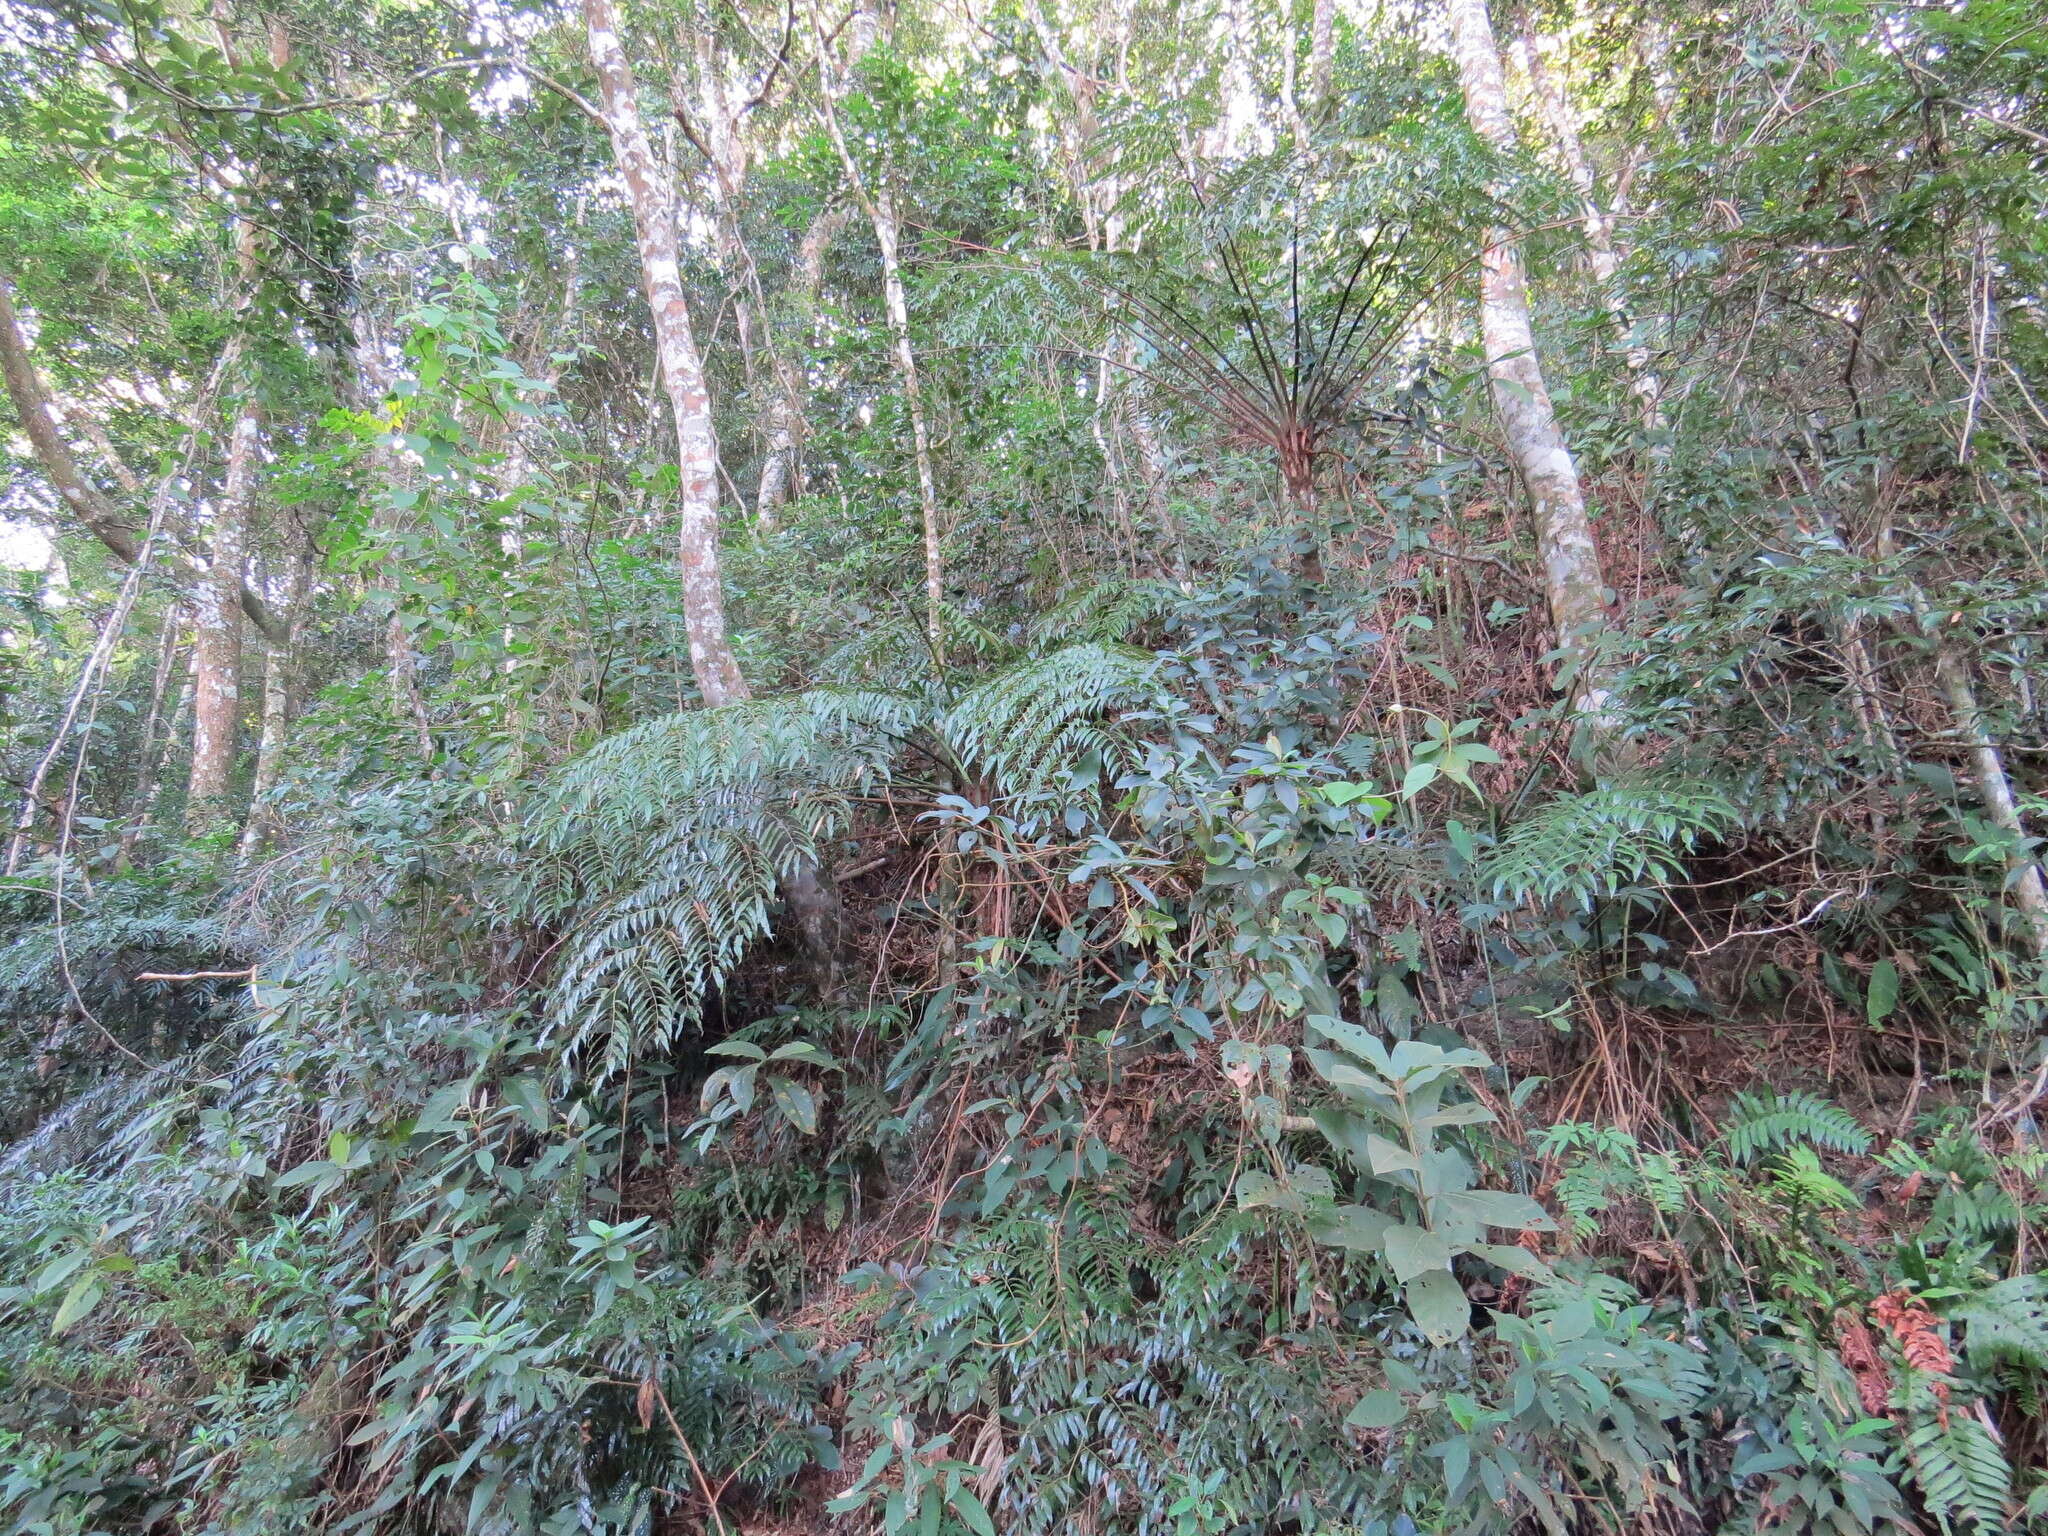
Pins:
<point x="1758" y="1124"/>
<point x="1626" y="833"/>
<point x="662" y="848"/>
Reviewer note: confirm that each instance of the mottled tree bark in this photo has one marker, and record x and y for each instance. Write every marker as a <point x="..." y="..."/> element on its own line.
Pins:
<point x="1322" y="53"/>
<point x="813" y="900"/>
<point x="74" y="488"/>
<point x="1572" y="580"/>
<point x="654" y="224"/>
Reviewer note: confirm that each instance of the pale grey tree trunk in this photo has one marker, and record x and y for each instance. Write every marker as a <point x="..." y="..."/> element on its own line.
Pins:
<point x="781" y="471"/>
<point x="278" y="702"/>
<point x="1994" y="784"/>
<point x="157" y="729"/>
<point x="1322" y="53"/>
<point x="654" y="224"/>
<point x="813" y="900"/>
<point x="1605" y="252"/>
<point x="1572" y="579"/>
<point x="879" y="203"/>
<point x="217" y="628"/>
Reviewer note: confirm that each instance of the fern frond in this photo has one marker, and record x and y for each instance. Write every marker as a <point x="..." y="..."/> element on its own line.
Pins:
<point x="1962" y="1471"/>
<point x="1758" y="1125"/>
<point x="662" y="848"/>
<point x="2007" y="1323"/>
<point x="1626" y="833"/>
<point x="1029" y="720"/>
<point x="1109" y="611"/>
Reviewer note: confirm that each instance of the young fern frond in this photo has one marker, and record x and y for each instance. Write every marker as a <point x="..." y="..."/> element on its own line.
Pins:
<point x="1627" y="833"/>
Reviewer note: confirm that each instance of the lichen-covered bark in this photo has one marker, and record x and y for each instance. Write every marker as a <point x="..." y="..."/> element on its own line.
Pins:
<point x="682" y="369"/>
<point x="1572" y="580"/>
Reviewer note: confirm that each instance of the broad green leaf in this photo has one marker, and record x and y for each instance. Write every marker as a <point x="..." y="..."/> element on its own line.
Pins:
<point x="1378" y="1409"/>
<point x="84" y="1295"/>
<point x="1387" y="1157"/>
<point x="745" y="1050"/>
<point x="1882" y="996"/>
<point x="796" y="1104"/>
<point x="1413" y="1251"/>
<point x="1439" y="1305"/>
<point x="1359" y="1228"/>
<point x="1513" y="1258"/>
<point x="1418" y="778"/>
<point x="1501" y="1208"/>
<point x="969" y="1509"/>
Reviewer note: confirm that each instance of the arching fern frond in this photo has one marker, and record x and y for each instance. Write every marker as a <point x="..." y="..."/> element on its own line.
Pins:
<point x="1030" y="720"/>
<point x="1625" y="833"/>
<point x="662" y="848"/>
<point x="1109" y="611"/>
<point x="1758" y="1125"/>
<point x="2007" y="1323"/>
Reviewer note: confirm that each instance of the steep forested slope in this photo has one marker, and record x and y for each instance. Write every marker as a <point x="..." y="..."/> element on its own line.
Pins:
<point x="1020" y="766"/>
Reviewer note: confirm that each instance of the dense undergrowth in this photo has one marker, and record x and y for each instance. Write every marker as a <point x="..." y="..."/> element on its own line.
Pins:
<point x="1223" y="1048"/>
<point x="1206" y="1190"/>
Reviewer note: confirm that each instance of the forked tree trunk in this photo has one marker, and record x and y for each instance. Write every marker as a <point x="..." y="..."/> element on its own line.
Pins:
<point x="1572" y="580"/>
<point x="654" y="225"/>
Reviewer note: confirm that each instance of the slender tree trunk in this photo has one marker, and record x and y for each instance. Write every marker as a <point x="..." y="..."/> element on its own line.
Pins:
<point x="711" y="658"/>
<point x="1322" y="54"/>
<point x="1604" y="252"/>
<point x="278" y="701"/>
<point x="879" y="203"/>
<point x="812" y="898"/>
<point x="39" y="424"/>
<point x="217" y="630"/>
<point x="882" y="212"/>
<point x="149" y="758"/>
<point x="1994" y="788"/>
<point x="781" y="471"/>
<point x="39" y="416"/>
<point x="1572" y="578"/>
